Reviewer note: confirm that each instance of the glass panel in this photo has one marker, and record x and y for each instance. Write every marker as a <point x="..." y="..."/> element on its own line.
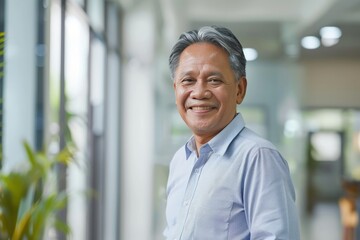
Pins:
<point x="76" y="90"/>
<point x="54" y="77"/>
<point x="80" y="2"/>
<point x="97" y="84"/>
<point x="76" y="94"/>
<point x="95" y="10"/>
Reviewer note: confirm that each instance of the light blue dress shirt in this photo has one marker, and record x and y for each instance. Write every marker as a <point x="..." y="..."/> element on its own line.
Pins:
<point x="238" y="188"/>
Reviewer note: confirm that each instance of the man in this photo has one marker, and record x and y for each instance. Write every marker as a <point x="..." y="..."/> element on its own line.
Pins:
<point x="225" y="182"/>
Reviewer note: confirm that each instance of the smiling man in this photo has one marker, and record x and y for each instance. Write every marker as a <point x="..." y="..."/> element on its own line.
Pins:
<point x="226" y="182"/>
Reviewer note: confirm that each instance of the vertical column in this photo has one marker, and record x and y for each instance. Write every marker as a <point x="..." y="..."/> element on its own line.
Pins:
<point x="41" y="49"/>
<point x="112" y="105"/>
<point x="2" y="47"/>
<point x="62" y="169"/>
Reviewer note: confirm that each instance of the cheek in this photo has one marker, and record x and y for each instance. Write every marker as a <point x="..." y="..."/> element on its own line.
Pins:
<point x="222" y="96"/>
<point x="181" y="95"/>
<point x="226" y="98"/>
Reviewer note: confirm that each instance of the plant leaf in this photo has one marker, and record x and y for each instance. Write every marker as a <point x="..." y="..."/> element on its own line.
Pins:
<point x="13" y="189"/>
<point x="30" y="153"/>
<point x="47" y="209"/>
<point x="22" y="225"/>
<point x="27" y="202"/>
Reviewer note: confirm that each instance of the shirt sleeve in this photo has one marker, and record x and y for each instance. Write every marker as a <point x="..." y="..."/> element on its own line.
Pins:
<point x="269" y="197"/>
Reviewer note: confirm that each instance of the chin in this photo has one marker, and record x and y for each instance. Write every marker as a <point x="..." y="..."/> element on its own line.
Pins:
<point x="200" y="130"/>
<point x="198" y="126"/>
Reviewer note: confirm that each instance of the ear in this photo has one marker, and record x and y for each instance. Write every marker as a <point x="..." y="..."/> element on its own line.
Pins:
<point x="174" y="87"/>
<point x="241" y="89"/>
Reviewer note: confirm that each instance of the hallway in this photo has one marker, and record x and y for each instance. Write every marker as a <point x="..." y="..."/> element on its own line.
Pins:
<point x="95" y="74"/>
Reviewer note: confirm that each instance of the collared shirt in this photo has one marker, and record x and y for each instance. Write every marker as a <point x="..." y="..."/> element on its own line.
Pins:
<point x="238" y="188"/>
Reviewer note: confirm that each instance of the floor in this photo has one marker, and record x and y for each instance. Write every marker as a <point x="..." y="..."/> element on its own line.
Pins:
<point x="323" y="224"/>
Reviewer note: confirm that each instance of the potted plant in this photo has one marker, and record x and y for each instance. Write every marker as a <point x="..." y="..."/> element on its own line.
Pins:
<point x="29" y="202"/>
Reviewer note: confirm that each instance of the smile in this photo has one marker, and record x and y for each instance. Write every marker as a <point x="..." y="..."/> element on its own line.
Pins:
<point x="201" y="108"/>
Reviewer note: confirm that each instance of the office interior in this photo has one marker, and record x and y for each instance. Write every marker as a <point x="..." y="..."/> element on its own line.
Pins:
<point x="98" y="69"/>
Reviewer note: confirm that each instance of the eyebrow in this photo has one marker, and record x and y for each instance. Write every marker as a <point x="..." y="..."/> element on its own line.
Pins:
<point x="218" y="74"/>
<point x="210" y="74"/>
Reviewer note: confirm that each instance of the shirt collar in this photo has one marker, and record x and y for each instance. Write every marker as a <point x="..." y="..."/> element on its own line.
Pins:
<point x="222" y="140"/>
<point x="190" y="147"/>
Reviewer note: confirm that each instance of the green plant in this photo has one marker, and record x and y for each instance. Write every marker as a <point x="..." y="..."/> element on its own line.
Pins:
<point x="29" y="203"/>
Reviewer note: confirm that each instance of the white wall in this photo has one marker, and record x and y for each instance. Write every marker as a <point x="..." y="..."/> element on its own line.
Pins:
<point x="20" y="79"/>
<point x="138" y="125"/>
<point x="331" y="83"/>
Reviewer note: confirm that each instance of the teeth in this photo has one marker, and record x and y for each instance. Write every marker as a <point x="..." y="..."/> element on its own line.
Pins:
<point x="201" y="108"/>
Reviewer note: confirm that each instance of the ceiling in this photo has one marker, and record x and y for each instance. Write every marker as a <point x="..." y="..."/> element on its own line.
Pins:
<point x="275" y="27"/>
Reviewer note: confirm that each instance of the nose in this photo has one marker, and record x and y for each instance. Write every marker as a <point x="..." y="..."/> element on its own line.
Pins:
<point x="200" y="91"/>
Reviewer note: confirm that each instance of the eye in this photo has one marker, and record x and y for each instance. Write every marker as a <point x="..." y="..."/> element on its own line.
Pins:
<point x="187" y="81"/>
<point x="215" y="81"/>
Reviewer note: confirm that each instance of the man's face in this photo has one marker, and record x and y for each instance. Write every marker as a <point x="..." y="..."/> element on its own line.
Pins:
<point x="206" y="89"/>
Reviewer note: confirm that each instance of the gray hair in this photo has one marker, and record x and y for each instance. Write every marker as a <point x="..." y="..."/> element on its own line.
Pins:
<point x="218" y="36"/>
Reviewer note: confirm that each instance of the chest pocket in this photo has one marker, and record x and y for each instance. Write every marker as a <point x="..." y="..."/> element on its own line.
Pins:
<point x="212" y="219"/>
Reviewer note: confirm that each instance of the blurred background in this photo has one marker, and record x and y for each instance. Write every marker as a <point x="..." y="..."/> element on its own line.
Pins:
<point x="95" y="73"/>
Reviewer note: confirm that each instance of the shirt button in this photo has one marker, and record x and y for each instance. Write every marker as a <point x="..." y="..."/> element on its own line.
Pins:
<point x="196" y="170"/>
<point x="186" y="203"/>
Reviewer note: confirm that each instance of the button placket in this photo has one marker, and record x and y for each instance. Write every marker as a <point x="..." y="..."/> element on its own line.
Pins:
<point x="190" y="189"/>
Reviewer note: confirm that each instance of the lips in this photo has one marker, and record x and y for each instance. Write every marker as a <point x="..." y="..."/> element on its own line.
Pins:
<point x="201" y="108"/>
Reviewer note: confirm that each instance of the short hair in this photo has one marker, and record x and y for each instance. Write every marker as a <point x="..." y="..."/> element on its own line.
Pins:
<point x="219" y="36"/>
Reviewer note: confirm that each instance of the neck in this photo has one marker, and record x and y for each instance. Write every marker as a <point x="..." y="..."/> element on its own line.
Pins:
<point x="200" y="141"/>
